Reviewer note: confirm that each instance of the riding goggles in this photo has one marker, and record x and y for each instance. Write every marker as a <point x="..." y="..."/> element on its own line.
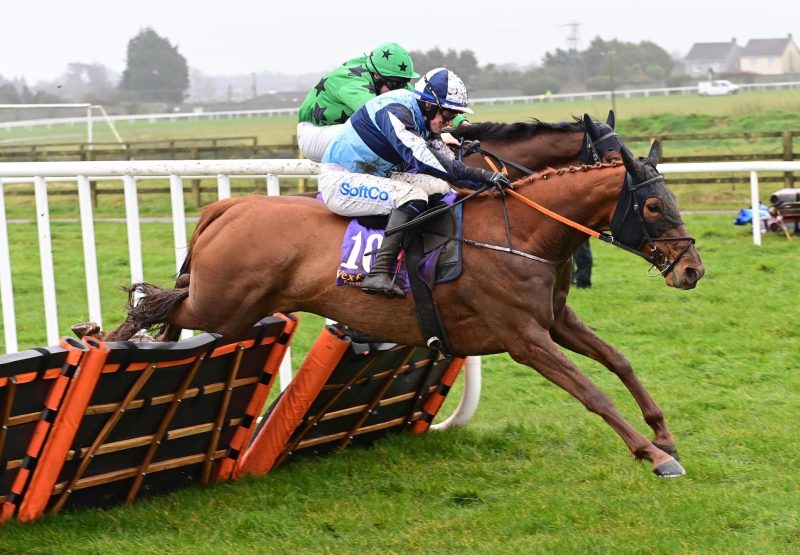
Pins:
<point x="447" y="114"/>
<point x="395" y="83"/>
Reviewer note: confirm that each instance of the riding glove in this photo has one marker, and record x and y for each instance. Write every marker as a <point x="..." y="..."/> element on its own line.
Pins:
<point x="500" y="180"/>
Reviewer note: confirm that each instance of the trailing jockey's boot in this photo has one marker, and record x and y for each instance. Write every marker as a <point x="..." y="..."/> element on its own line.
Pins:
<point x="380" y="279"/>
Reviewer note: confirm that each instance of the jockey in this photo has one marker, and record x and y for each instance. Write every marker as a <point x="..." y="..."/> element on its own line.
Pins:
<point x="359" y="176"/>
<point x="345" y="89"/>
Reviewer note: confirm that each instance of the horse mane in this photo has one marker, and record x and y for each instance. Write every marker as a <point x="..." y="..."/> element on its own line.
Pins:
<point x="545" y="174"/>
<point x="550" y="172"/>
<point x="494" y="130"/>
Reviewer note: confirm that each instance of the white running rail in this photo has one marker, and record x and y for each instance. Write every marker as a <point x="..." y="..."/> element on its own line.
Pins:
<point x="129" y="173"/>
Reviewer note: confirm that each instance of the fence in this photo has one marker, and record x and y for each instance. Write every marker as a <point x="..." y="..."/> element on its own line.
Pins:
<point x="176" y="149"/>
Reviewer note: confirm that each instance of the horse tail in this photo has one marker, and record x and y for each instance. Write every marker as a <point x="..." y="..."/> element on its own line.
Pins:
<point x="150" y="311"/>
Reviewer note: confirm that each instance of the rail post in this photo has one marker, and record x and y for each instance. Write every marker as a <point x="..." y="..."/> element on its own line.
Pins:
<point x="788" y="177"/>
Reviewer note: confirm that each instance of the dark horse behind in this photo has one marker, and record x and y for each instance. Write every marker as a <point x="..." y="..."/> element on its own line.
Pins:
<point x="253" y="256"/>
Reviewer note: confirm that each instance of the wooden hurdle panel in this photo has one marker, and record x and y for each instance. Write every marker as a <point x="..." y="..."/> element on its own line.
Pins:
<point x="148" y="418"/>
<point x="32" y="388"/>
<point x="347" y="393"/>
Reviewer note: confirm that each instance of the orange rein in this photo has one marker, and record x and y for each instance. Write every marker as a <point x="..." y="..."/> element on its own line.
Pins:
<point x="539" y="207"/>
<point x="548" y="212"/>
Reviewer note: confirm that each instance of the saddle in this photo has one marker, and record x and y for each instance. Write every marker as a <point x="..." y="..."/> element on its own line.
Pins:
<point x="431" y="254"/>
<point x="439" y="247"/>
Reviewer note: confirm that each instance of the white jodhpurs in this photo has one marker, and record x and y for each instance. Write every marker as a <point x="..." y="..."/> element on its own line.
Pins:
<point x="314" y="139"/>
<point x="359" y="194"/>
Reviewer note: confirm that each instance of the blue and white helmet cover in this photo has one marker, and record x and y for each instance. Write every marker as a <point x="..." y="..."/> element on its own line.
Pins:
<point x="446" y="86"/>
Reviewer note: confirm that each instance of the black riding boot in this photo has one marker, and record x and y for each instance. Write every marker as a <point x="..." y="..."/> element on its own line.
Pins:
<point x="380" y="279"/>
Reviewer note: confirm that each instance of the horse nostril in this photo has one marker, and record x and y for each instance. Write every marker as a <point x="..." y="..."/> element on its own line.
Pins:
<point x="691" y="275"/>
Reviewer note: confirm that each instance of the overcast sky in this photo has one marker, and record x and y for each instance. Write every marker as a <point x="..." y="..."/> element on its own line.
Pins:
<point x="39" y="38"/>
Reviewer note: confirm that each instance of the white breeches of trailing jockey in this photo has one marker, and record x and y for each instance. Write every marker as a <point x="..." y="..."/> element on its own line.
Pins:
<point x="314" y="139"/>
<point x="359" y="194"/>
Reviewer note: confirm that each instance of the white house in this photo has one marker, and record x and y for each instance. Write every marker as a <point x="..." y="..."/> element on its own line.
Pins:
<point x="770" y="56"/>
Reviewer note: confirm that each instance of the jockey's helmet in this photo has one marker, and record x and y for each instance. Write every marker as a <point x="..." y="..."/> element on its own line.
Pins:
<point x="444" y="90"/>
<point x="392" y="60"/>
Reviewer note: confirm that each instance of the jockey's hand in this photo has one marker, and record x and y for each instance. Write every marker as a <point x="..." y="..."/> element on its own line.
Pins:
<point x="470" y="147"/>
<point x="500" y="180"/>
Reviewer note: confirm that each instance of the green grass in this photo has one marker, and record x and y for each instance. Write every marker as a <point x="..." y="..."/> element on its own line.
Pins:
<point x="534" y="472"/>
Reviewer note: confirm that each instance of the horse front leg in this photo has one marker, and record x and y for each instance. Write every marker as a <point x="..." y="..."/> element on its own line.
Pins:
<point x="540" y="352"/>
<point x="570" y="332"/>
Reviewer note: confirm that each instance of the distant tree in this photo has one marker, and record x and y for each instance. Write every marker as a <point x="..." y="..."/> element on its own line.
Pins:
<point x="566" y="65"/>
<point x="87" y="83"/>
<point x="630" y="63"/>
<point x="463" y="63"/>
<point x="8" y="93"/>
<point x="17" y="92"/>
<point x="155" y="70"/>
<point x="539" y="82"/>
<point x="494" y="79"/>
<point x="598" y="83"/>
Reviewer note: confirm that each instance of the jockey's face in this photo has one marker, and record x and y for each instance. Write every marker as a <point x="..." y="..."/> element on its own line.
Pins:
<point x="443" y="118"/>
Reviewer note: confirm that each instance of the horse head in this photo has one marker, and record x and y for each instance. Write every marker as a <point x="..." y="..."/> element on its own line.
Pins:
<point x="647" y="220"/>
<point x="601" y="142"/>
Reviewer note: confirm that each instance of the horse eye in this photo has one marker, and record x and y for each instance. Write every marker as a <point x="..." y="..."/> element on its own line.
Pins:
<point x="653" y="209"/>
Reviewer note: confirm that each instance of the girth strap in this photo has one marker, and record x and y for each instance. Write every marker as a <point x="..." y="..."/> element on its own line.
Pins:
<point x="427" y="311"/>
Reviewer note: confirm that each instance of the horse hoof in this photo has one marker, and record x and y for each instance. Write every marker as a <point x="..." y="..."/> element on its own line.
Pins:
<point x="671" y="450"/>
<point x="669" y="469"/>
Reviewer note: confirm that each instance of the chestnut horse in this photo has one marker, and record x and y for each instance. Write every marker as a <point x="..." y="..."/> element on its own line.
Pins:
<point x="253" y="256"/>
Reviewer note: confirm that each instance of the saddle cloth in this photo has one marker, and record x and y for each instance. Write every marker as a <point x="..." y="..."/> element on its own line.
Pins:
<point x="440" y="263"/>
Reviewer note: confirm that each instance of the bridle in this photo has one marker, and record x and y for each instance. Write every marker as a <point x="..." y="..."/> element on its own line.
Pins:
<point x="590" y="154"/>
<point x="626" y="234"/>
<point x="629" y="231"/>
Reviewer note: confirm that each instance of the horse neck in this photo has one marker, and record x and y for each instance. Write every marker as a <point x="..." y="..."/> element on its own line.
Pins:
<point x="587" y="196"/>
<point x="546" y="149"/>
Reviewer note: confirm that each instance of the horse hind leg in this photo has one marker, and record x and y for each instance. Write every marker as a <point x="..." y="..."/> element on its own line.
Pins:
<point x="152" y="309"/>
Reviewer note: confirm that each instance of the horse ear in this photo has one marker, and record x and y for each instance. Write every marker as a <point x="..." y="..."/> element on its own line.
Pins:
<point x="633" y="165"/>
<point x="611" y="120"/>
<point x="591" y="128"/>
<point x="655" y="153"/>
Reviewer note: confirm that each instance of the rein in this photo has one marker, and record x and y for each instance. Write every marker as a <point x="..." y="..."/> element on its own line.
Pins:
<point x="655" y="258"/>
<point x="465" y="148"/>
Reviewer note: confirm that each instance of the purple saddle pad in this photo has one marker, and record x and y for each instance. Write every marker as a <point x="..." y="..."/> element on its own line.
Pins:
<point x="360" y="245"/>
